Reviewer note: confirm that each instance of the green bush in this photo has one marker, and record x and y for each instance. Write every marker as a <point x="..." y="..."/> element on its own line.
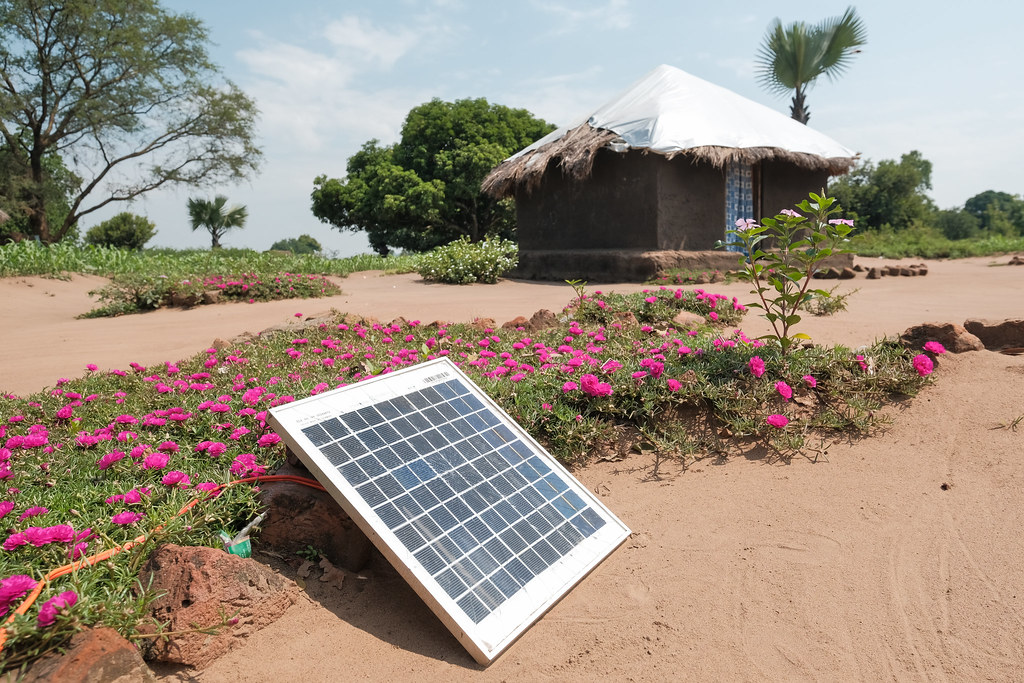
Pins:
<point x="303" y="244"/>
<point x="123" y="231"/>
<point x="463" y="262"/>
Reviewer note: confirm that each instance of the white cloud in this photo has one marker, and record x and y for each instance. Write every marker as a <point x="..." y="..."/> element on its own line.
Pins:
<point x="613" y="15"/>
<point x="562" y="99"/>
<point x="355" y="38"/>
<point x="308" y="94"/>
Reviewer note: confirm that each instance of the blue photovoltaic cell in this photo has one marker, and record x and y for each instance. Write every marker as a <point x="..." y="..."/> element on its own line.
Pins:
<point x="480" y="511"/>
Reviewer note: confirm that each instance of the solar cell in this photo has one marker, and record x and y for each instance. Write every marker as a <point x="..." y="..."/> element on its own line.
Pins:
<point x="481" y="521"/>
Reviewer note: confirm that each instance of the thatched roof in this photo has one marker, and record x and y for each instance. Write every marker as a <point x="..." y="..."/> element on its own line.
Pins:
<point x="673" y="113"/>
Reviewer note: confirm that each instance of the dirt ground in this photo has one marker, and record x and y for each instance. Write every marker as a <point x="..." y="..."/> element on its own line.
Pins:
<point x="893" y="557"/>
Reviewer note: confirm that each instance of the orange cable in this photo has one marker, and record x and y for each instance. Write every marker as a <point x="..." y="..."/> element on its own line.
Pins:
<point x="110" y="552"/>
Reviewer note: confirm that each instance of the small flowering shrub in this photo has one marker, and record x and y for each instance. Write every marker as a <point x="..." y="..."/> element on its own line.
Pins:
<point x="781" y="275"/>
<point x="115" y="454"/>
<point x="463" y="262"/>
<point x="133" y="293"/>
<point x="655" y="306"/>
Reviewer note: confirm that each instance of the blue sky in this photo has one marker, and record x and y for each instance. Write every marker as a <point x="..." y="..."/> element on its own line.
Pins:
<point x="328" y="76"/>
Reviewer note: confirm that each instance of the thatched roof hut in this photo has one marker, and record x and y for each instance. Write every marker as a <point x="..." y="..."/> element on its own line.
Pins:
<point x="665" y="166"/>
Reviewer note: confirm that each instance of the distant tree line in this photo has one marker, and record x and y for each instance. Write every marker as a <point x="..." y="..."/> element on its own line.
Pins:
<point x="892" y="195"/>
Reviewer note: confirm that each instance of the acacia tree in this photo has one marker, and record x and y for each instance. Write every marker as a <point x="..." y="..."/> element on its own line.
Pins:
<point x="123" y="91"/>
<point x="424" y="191"/>
<point x="215" y="217"/>
<point x="792" y="57"/>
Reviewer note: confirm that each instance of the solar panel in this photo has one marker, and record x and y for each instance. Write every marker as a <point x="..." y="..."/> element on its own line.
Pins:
<point x="481" y="521"/>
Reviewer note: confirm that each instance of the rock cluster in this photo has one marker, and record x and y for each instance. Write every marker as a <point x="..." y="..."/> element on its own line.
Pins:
<point x="1005" y="336"/>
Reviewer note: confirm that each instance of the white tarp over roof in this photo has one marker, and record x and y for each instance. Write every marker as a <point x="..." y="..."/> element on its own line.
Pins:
<point x="669" y="111"/>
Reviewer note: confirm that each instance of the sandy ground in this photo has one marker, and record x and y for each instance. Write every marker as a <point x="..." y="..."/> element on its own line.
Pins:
<point x="895" y="557"/>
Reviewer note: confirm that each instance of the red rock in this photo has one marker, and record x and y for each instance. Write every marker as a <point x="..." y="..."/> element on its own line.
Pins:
<point x="685" y="320"/>
<point x="198" y="586"/>
<point x="875" y="273"/>
<point x="96" y="655"/>
<point x="542" y="320"/>
<point x="518" y="321"/>
<point x="847" y="274"/>
<point x="300" y="516"/>
<point x="998" y="334"/>
<point x="954" y="337"/>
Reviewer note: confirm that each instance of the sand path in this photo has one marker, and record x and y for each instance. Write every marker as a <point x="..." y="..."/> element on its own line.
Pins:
<point x="895" y="557"/>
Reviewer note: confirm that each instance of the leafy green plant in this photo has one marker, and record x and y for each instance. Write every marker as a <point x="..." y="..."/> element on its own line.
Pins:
<point x="463" y="262"/>
<point x="123" y="231"/>
<point x="781" y="275"/>
<point x="828" y="305"/>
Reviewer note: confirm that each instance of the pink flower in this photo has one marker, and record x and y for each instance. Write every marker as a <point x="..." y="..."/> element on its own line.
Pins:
<point x="756" y="366"/>
<point x="15" y="540"/>
<point x="860" y="361"/>
<point x="155" y="461"/>
<point x="109" y="459"/>
<point x="12" y="588"/>
<point x="168" y="447"/>
<point x="5" y="507"/>
<point x="592" y="386"/>
<point x="176" y="478"/>
<point x="934" y="347"/>
<point x="40" y="536"/>
<point x="674" y="385"/>
<point x="58" y="603"/>
<point x="545" y="406"/>
<point x="32" y="512"/>
<point x="66" y="412"/>
<point x="923" y="364"/>
<point x="785" y="391"/>
<point x="125" y="518"/>
<point x="778" y="421"/>
<point x="92" y="367"/>
<point x="268" y="440"/>
<point x="78" y="550"/>
<point x="245" y="463"/>
<point x="809" y="381"/>
<point x="569" y="386"/>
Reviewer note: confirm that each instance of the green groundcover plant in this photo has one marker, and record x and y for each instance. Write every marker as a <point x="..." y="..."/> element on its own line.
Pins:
<point x="137" y="293"/>
<point x="93" y="462"/>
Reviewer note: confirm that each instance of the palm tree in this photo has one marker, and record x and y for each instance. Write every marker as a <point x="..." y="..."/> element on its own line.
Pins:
<point x="216" y="217"/>
<point x="792" y="57"/>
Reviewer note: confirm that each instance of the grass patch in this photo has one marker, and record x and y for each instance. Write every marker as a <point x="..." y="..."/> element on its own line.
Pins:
<point x="59" y="260"/>
<point x="113" y="455"/>
<point x="929" y="243"/>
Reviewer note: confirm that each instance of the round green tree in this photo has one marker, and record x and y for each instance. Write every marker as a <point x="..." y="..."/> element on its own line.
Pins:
<point x="424" y="191"/>
<point x="123" y="231"/>
<point x="303" y="244"/>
